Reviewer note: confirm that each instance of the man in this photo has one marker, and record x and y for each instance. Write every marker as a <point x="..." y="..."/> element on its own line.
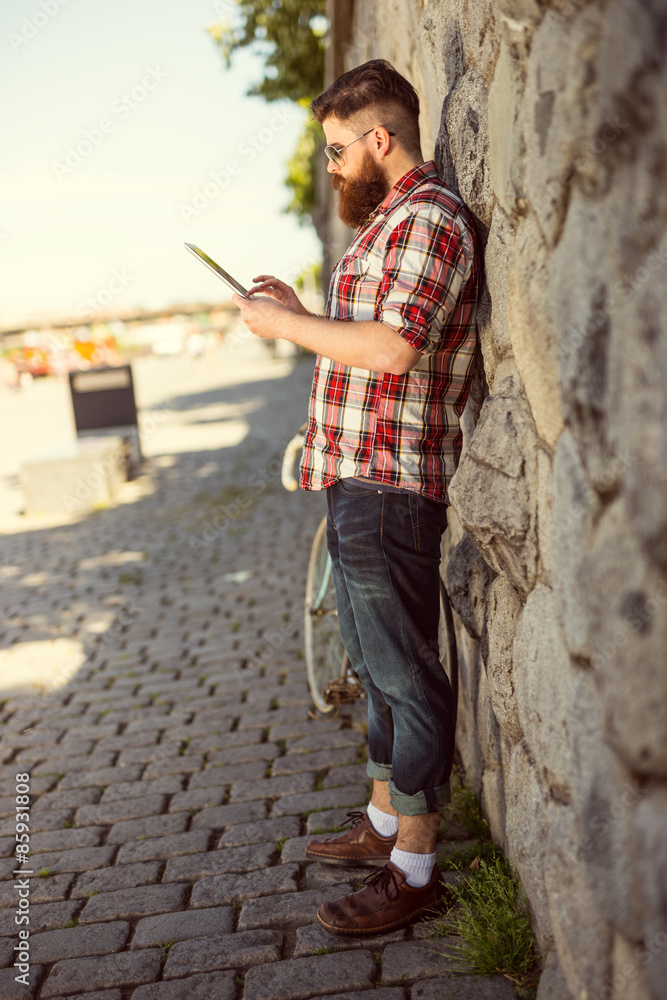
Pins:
<point x="395" y="360"/>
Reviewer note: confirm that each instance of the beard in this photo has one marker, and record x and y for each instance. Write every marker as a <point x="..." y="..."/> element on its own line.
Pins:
<point x="358" y="196"/>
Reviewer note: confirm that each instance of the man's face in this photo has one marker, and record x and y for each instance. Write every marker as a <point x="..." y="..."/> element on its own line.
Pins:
<point x="362" y="181"/>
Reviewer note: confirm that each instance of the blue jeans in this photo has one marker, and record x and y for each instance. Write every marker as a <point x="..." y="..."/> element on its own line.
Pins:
<point x="385" y="551"/>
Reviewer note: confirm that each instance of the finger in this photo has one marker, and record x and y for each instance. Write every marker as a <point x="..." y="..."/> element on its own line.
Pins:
<point x="265" y="277"/>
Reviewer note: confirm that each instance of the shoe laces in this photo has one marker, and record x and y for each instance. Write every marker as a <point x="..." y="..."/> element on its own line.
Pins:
<point x="380" y="878"/>
<point x="354" y="818"/>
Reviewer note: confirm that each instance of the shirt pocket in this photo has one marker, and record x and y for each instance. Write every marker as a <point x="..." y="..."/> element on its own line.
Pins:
<point x="353" y="294"/>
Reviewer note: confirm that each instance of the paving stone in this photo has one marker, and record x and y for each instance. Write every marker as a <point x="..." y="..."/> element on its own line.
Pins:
<point x="102" y="776"/>
<point x="42" y="890"/>
<point x="242" y="755"/>
<point x="115" y="743"/>
<point x="128" y="968"/>
<point x="410" y="961"/>
<point x="242" y="791"/>
<point x="240" y="950"/>
<point x="115" y="877"/>
<point x="327" y="821"/>
<point x="148" y="754"/>
<point x="288" y="908"/>
<point x="150" y="826"/>
<point x="198" y="798"/>
<point x="276" y="717"/>
<point x="350" y="775"/>
<point x="43" y="917"/>
<point x="68" y="799"/>
<point x="386" y="993"/>
<point x="262" y="831"/>
<point x="292" y="763"/>
<point x="62" y="764"/>
<point x="182" y="926"/>
<point x="303" y="727"/>
<point x="190" y="764"/>
<point x="318" y="874"/>
<point x="170" y="722"/>
<point x="11" y="990"/>
<point x="52" y="946"/>
<point x="230" y="860"/>
<point x="168" y="784"/>
<point x="222" y="816"/>
<point x="123" y="904"/>
<point x="164" y="847"/>
<point x="313" y="937"/>
<point x="97" y="995"/>
<point x="324" y="741"/>
<point x="218" y="985"/>
<point x="95" y="732"/>
<point x="114" y="810"/>
<point x="60" y="840"/>
<point x="221" y="889"/>
<point x="299" y="978"/>
<point x="225" y="775"/>
<point x="31" y="738"/>
<point x="210" y="742"/>
<point x="348" y="795"/>
<point x="77" y="860"/>
<point x="464" y="988"/>
<point x="294" y="849"/>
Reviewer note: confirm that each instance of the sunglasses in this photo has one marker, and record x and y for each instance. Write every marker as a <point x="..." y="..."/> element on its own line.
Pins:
<point x="335" y="154"/>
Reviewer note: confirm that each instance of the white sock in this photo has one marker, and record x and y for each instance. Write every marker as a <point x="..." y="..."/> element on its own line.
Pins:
<point x="417" y="868"/>
<point x="383" y="823"/>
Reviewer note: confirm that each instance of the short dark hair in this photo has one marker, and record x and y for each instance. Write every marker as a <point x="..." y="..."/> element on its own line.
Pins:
<point x="374" y="94"/>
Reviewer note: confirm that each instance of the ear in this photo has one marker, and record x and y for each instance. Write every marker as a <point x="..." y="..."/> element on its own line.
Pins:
<point x="381" y="142"/>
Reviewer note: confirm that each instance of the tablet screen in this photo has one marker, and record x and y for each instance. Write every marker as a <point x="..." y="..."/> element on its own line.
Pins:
<point x="221" y="273"/>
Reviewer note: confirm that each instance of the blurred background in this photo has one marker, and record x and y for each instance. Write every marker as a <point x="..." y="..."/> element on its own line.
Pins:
<point x="129" y="129"/>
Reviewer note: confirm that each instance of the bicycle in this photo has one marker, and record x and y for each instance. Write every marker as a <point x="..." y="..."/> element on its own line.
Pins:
<point x="331" y="677"/>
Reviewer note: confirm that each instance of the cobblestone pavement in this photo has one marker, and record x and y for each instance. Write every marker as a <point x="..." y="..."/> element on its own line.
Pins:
<point x="174" y="771"/>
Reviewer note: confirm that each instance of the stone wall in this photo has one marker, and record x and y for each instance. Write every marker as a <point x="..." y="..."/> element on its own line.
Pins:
<point x="550" y="120"/>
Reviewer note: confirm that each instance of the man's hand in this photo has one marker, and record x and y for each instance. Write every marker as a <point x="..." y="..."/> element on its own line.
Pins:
<point x="263" y="317"/>
<point x="279" y="291"/>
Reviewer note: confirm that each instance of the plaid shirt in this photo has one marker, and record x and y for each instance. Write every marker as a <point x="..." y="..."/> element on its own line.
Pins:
<point x="414" y="267"/>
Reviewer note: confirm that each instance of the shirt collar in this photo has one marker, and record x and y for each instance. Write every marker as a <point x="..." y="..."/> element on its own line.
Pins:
<point x="404" y="187"/>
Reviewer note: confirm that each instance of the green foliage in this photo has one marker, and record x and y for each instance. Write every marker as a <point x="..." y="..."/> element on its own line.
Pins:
<point x="290" y="35"/>
<point x="300" y="172"/>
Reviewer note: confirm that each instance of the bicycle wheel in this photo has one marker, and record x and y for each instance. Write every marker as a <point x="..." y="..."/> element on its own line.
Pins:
<point x="323" y="645"/>
<point x="447" y="645"/>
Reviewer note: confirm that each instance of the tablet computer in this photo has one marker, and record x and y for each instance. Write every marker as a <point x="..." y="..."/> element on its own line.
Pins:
<point x="221" y="273"/>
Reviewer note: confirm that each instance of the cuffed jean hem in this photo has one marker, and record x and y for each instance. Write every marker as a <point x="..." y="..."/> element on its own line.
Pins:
<point x="382" y="772"/>
<point x="421" y="803"/>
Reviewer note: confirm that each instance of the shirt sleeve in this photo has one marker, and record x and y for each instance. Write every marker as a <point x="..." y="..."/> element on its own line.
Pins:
<point x="427" y="260"/>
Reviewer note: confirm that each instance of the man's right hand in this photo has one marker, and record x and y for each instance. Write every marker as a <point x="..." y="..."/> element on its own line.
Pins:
<point x="278" y="290"/>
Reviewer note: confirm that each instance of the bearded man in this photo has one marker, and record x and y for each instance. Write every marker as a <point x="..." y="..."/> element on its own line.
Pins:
<point x="395" y="354"/>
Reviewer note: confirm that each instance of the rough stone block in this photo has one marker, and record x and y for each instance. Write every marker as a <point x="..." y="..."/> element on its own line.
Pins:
<point x="71" y="942"/>
<point x="219" y="817"/>
<point x="164" y="847"/>
<point x="124" y="904"/>
<point x="116" y="877"/>
<point x="303" y="727"/>
<point x="409" y="961"/>
<point x="43" y="917"/>
<point x="119" y="809"/>
<point x="242" y="791"/>
<point x="103" y="776"/>
<point x="348" y="795"/>
<point x="317" y="761"/>
<point x="77" y="860"/>
<point x="61" y="840"/>
<point x="287" y="909"/>
<point x="11" y="990"/>
<point x="220" y="985"/>
<point x="183" y="925"/>
<point x="223" y="951"/>
<point x="325" y="740"/>
<point x="128" y="968"/>
<point x="223" y="862"/>
<point x="466" y="988"/>
<point x="243" y="755"/>
<point x="150" y="826"/>
<point x="220" y="889"/>
<point x="262" y="831"/>
<point x="299" y="978"/>
<point x="313" y="937"/>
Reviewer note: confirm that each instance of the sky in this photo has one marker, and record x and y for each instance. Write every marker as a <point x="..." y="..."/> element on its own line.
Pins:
<point x="124" y="136"/>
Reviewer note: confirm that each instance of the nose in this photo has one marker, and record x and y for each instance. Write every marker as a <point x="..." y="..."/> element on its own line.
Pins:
<point x="332" y="167"/>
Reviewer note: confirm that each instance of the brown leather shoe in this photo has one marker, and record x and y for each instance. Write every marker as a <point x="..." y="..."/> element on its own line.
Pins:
<point x="360" y="845"/>
<point x="385" y="903"/>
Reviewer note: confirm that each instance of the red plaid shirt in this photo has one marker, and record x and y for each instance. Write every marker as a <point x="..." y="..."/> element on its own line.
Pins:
<point x="413" y="267"/>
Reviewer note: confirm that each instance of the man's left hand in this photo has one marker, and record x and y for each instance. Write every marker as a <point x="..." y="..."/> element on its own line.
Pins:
<point x="263" y="316"/>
